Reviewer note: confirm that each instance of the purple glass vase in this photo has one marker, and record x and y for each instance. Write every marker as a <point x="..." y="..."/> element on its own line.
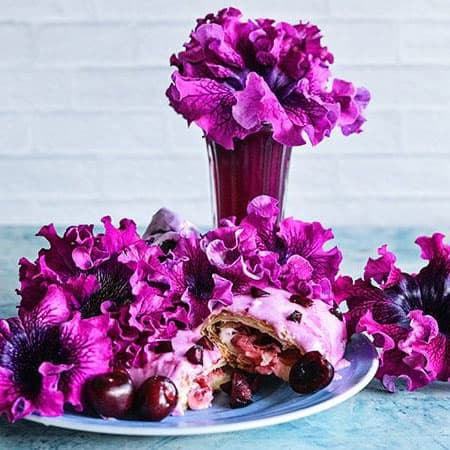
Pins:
<point x="256" y="165"/>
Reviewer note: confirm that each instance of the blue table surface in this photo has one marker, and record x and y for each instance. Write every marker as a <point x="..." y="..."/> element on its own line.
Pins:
<point x="372" y="419"/>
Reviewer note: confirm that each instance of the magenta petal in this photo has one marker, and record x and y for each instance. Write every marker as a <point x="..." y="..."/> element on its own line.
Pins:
<point x="295" y="272"/>
<point x="362" y="297"/>
<point x="226" y="255"/>
<point x="309" y="115"/>
<point x="426" y="340"/>
<point x="49" y="401"/>
<point x="146" y="312"/>
<point x="323" y="290"/>
<point x="48" y="369"/>
<point x="198" y="308"/>
<point x="209" y="104"/>
<point x="308" y="240"/>
<point x="256" y="105"/>
<point x="262" y="214"/>
<point x="264" y="208"/>
<point x="353" y="101"/>
<point x="8" y="395"/>
<point x="394" y="363"/>
<point x="222" y="293"/>
<point x="88" y="338"/>
<point x="82" y="258"/>
<point x="212" y="37"/>
<point x="59" y="256"/>
<point x="433" y="247"/>
<point x="116" y="239"/>
<point x="345" y="92"/>
<point x="53" y="309"/>
<point x="383" y="269"/>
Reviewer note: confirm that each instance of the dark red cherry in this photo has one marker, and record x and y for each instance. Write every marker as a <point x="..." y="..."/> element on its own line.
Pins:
<point x="256" y="292"/>
<point x="205" y="343"/>
<point x="310" y="373"/>
<point x="301" y="300"/>
<point x="110" y="394"/>
<point x="156" y="398"/>
<point x="163" y="347"/>
<point x="241" y="392"/>
<point x="195" y="354"/>
<point x="295" y="316"/>
<point x="337" y="312"/>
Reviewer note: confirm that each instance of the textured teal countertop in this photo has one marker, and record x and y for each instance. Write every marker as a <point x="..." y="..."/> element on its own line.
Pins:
<point x="373" y="419"/>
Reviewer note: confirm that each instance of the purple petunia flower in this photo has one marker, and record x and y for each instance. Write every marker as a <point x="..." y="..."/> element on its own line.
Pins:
<point x="298" y="246"/>
<point x="46" y="355"/>
<point x="408" y="315"/>
<point x="234" y="77"/>
<point x="85" y="264"/>
<point x="195" y="282"/>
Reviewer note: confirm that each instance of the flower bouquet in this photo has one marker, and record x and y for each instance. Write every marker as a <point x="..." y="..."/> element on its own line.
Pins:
<point x="256" y="89"/>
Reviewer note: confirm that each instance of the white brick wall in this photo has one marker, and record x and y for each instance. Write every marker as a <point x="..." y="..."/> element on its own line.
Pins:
<point x="85" y="128"/>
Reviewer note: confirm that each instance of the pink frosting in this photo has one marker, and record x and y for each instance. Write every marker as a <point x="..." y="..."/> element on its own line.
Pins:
<point x="175" y="366"/>
<point x="318" y="329"/>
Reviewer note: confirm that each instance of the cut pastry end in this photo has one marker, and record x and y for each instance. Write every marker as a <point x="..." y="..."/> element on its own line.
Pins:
<point x="251" y="350"/>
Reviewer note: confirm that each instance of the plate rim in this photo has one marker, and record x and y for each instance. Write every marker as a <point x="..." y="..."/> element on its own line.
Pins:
<point x="124" y="430"/>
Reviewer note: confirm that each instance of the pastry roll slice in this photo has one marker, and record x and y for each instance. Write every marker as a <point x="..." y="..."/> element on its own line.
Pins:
<point x="267" y="331"/>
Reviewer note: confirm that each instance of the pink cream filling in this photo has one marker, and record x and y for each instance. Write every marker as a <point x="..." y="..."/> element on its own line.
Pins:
<point x="260" y="353"/>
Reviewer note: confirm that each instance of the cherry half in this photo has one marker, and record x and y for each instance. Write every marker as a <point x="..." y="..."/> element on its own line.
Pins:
<point x="156" y="398"/>
<point x="241" y="392"/>
<point x="110" y="394"/>
<point x="310" y="373"/>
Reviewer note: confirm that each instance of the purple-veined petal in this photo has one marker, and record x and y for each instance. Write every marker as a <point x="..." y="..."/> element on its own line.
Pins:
<point x="209" y="104"/>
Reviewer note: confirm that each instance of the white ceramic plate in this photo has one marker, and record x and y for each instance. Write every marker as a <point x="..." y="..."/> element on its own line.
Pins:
<point x="275" y="403"/>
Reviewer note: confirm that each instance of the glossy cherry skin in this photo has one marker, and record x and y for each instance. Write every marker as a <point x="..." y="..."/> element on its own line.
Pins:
<point x="110" y="394"/>
<point x="156" y="398"/>
<point x="310" y="373"/>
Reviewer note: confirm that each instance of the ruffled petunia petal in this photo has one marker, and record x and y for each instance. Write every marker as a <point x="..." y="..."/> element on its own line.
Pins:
<point x="383" y="269"/>
<point x="426" y="340"/>
<point x="433" y="247"/>
<point x="53" y="309"/>
<point x="208" y="104"/>
<point x="395" y="364"/>
<point x="90" y="347"/>
<point x="307" y="240"/>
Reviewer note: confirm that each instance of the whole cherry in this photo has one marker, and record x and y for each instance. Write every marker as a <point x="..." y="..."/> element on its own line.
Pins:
<point x="156" y="398"/>
<point x="310" y="373"/>
<point x="110" y="394"/>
